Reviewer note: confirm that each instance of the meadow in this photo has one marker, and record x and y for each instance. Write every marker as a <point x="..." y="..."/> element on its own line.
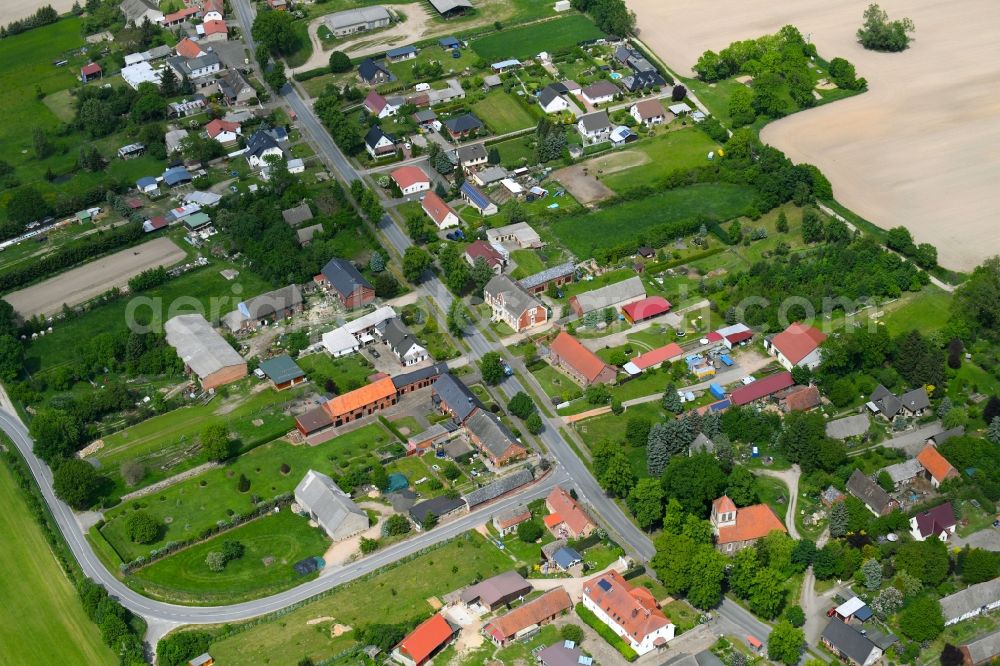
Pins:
<point x="502" y="113"/>
<point x="189" y="507"/>
<point x="664" y="153"/>
<point x="42" y="620"/>
<point x="607" y="227"/>
<point x="282" y="539"/>
<point x="346" y="373"/>
<point x="524" y="42"/>
<point x="394" y="592"/>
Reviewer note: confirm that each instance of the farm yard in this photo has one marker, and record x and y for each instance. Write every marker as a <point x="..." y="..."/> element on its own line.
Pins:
<point x="527" y="41"/>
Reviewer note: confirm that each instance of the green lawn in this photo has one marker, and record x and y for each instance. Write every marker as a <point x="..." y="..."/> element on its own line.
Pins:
<point x="347" y="372"/>
<point x="667" y="152"/>
<point x="926" y="310"/>
<point x="502" y="113"/>
<point x="516" y="152"/>
<point x="200" y="502"/>
<point x="556" y="384"/>
<point x="525" y="42"/>
<point x="215" y="295"/>
<point x="452" y="66"/>
<point x="42" y="621"/>
<point x="528" y="263"/>
<point x="715" y="96"/>
<point x="608" y="227"/>
<point x="165" y="445"/>
<point x="282" y="539"/>
<point x="611" y="427"/>
<point x="770" y="490"/>
<point x="393" y="592"/>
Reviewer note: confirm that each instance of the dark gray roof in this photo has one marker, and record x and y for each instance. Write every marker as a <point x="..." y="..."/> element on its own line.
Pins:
<point x="516" y="299"/>
<point x="595" y="121"/>
<point x="457" y="396"/>
<point x="945" y="435"/>
<point x="985" y="648"/>
<point x="344" y="277"/>
<point x="472" y="152"/>
<point x="868" y="492"/>
<point x="643" y="80"/>
<point x="601" y="88"/>
<point x="848" y="641"/>
<point x="397" y="336"/>
<point x="424" y="115"/>
<point x="498" y="488"/>
<point x="559" y="271"/>
<point x="463" y="123"/>
<point x="445" y="6"/>
<point x="375" y="135"/>
<point x="439" y="506"/>
<point x="916" y="399"/>
<point x="399" y="381"/>
<point x="970" y="599"/>
<point x="849" y="426"/>
<point x="548" y="94"/>
<point x="369" y="69"/>
<point x="491" y="432"/>
<point x="260" y="142"/>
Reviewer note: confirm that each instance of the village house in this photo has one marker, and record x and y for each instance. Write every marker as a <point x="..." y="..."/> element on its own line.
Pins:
<point x="463" y="126"/>
<point x="264" y="309"/>
<point x="489" y="175"/>
<point x="196" y="69"/>
<point x="938" y="468"/>
<point x="180" y="16"/>
<point x="594" y="127"/>
<point x="297" y="215"/>
<point x="356" y="333"/>
<point x="282" y="372"/>
<point x="440" y="507"/>
<point x="528" y="617"/>
<point x="346" y="282"/>
<point x="401" y="342"/>
<point x="796" y="346"/>
<point x="519" y="234"/>
<point x="798" y="398"/>
<point x="401" y="53"/>
<point x="888" y="405"/>
<point x="649" y="112"/>
<point x="850" y="644"/>
<point x="496" y="592"/>
<point x="731" y="336"/>
<point x="260" y="147"/>
<point x="653" y="359"/>
<point x="552" y="101"/>
<point x="426" y="640"/>
<point x="222" y="131"/>
<point x="645" y="309"/>
<point x="185" y="108"/>
<point x="614" y="295"/>
<point x="904" y="473"/>
<point x="869" y="492"/>
<point x="494" y="440"/>
<point x="982" y="650"/>
<point x="475" y="198"/>
<point x="235" y="89"/>
<point x="470" y="156"/>
<point x="379" y="144"/>
<point x="502" y="486"/>
<point x="631" y="612"/>
<point x="361" y="19"/>
<point x="506" y="521"/>
<point x="373" y="73"/>
<point x="138" y="12"/>
<point x="557" y="276"/>
<point x="482" y="250"/>
<point x="362" y="402"/>
<point x="330" y="506"/>
<point x="453" y="397"/>
<point x="186" y="49"/>
<point x="203" y="351"/>
<point x="512" y="305"/>
<point x="736" y="528"/>
<point x="581" y="364"/>
<point x="440" y="212"/>
<point x="566" y="518"/>
<point x="600" y="92"/>
<point x="761" y="388"/>
<point x="410" y="180"/>
<point x="213" y="31"/>
<point x="970" y="602"/>
<point x="938" y="522"/>
<point x="380" y="107"/>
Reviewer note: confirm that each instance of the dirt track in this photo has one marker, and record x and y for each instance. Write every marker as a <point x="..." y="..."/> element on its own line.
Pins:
<point x="918" y="148"/>
<point x="81" y="284"/>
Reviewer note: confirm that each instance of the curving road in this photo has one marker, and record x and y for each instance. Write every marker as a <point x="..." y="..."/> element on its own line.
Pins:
<point x="176" y="614"/>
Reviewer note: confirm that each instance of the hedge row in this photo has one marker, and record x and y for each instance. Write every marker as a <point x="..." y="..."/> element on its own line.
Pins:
<point x="605" y="632"/>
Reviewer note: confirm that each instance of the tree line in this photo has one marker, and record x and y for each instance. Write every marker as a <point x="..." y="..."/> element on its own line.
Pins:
<point x="43" y="16"/>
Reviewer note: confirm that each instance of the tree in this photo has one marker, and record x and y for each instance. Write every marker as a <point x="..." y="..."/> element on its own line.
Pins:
<point x="887" y="602"/>
<point x="803" y="553"/>
<point x="812" y="226"/>
<point x="379" y="477"/>
<point x="646" y="502"/>
<point x="637" y="430"/>
<point x="571" y="632"/>
<point x="367" y="545"/>
<point x="878" y="33"/>
<point x="56" y="434"/>
<point x="951" y="656"/>
<point x="232" y="550"/>
<point x="177" y="648"/>
<point x="922" y="619"/>
<point x="705" y="590"/>
<point x="534" y="424"/>
<point x="274" y="31"/>
<point x="900" y="240"/>
<point x="926" y="256"/>
<point x="993" y="432"/>
<point x="927" y="561"/>
<point x="215" y="442"/>
<point x="795" y="615"/>
<point x="11" y="358"/>
<point x="741" y="486"/>
<point x="617" y="477"/>
<point x="41" y="143"/>
<point x="169" y="83"/>
<point x="800" y="438"/>
<point x="77" y="483"/>
<point x="521" y="405"/>
<point x="396" y="524"/>
<point x="678" y="93"/>
<point x="26" y="205"/>
<point x="142" y="527"/>
<point x="243" y="484"/>
<point x="785" y="643"/>
<point x="529" y="531"/>
<point x="376" y="262"/>
<point x="672" y="401"/>
<point x="767" y="593"/>
<point x="977" y="565"/>
<point x="491" y="368"/>
<point x="695" y="481"/>
<point x="673" y="562"/>
<point x="97" y="118"/>
<point x="275" y="76"/>
<point x="339" y="62"/>
<point x="782" y="222"/>
<point x="415" y="261"/>
<point x="215" y="561"/>
<point x="741" y="109"/>
<point x="825" y="562"/>
<point x="429" y="522"/>
<point x="872" y="572"/>
<point x="843" y="74"/>
<point x="480" y="274"/>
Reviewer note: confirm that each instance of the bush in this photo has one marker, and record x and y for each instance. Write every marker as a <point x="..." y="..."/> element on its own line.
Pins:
<point x="216" y="561"/>
<point x="178" y="649"/>
<point x="142" y="527"/>
<point x="243" y="485"/>
<point x="572" y="632"/>
<point x="529" y="531"/>
<point x="605" y="632"/>
<point x="285" y="469"/>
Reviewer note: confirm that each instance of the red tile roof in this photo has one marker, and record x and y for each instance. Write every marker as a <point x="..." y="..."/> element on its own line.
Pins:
<point x="515" y="519"/>
<point x="577" y="356"/>
<point x="218" y="126"/>
<point x="212" y="6"/>
<point x="407" y="176"/>
<point x="158" y="222"/>
<point x="723" y="505"/>
<point x="646" y="308"/>
<point x="375" y="102"/>
<point x="436" y="207"/>
<point x="90" y="69"/>
<point x="187" y="48"/>
<point x="483" y="249"/>
<point x="181" y="14"/>
<point x="936" y="464"/>
<point x="568" y="510"/>
<point x="761" y="388"/>
<point x="538" y="610"/>
<point x="802" y="398"/>
<point x="658" y="355"/>
<point x="631" y="608"/>
<point x="752" y="522"/>
<point x="429" y="635"/>
<point x="736" y="338"/>
<point x="358" y="398"/>
<point x="215" y="28"/>
<point x="798" y="341"/>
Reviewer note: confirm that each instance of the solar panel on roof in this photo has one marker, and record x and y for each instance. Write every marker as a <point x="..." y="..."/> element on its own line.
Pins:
<point x="604" y="585"/>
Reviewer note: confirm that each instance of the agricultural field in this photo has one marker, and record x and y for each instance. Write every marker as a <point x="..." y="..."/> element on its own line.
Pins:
<point x="42" y="620"/>
<point x="655" y="158"/>
<point x="393" y="592"/>
<point x="198" y="503"/>
<point x="502" y="113"/>
<point x="169" y="444"/>
<point x="273" y="544"/>
<point x="527" y="41"/>
<point x="608" y="227"/>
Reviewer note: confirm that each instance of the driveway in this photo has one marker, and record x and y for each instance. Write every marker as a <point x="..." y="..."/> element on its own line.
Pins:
<point x="987" y="539"/>
<point x="790" y="477"/>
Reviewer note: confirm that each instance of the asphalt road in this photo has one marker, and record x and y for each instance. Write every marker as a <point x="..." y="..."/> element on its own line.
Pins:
<point x="173" y="613"/>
